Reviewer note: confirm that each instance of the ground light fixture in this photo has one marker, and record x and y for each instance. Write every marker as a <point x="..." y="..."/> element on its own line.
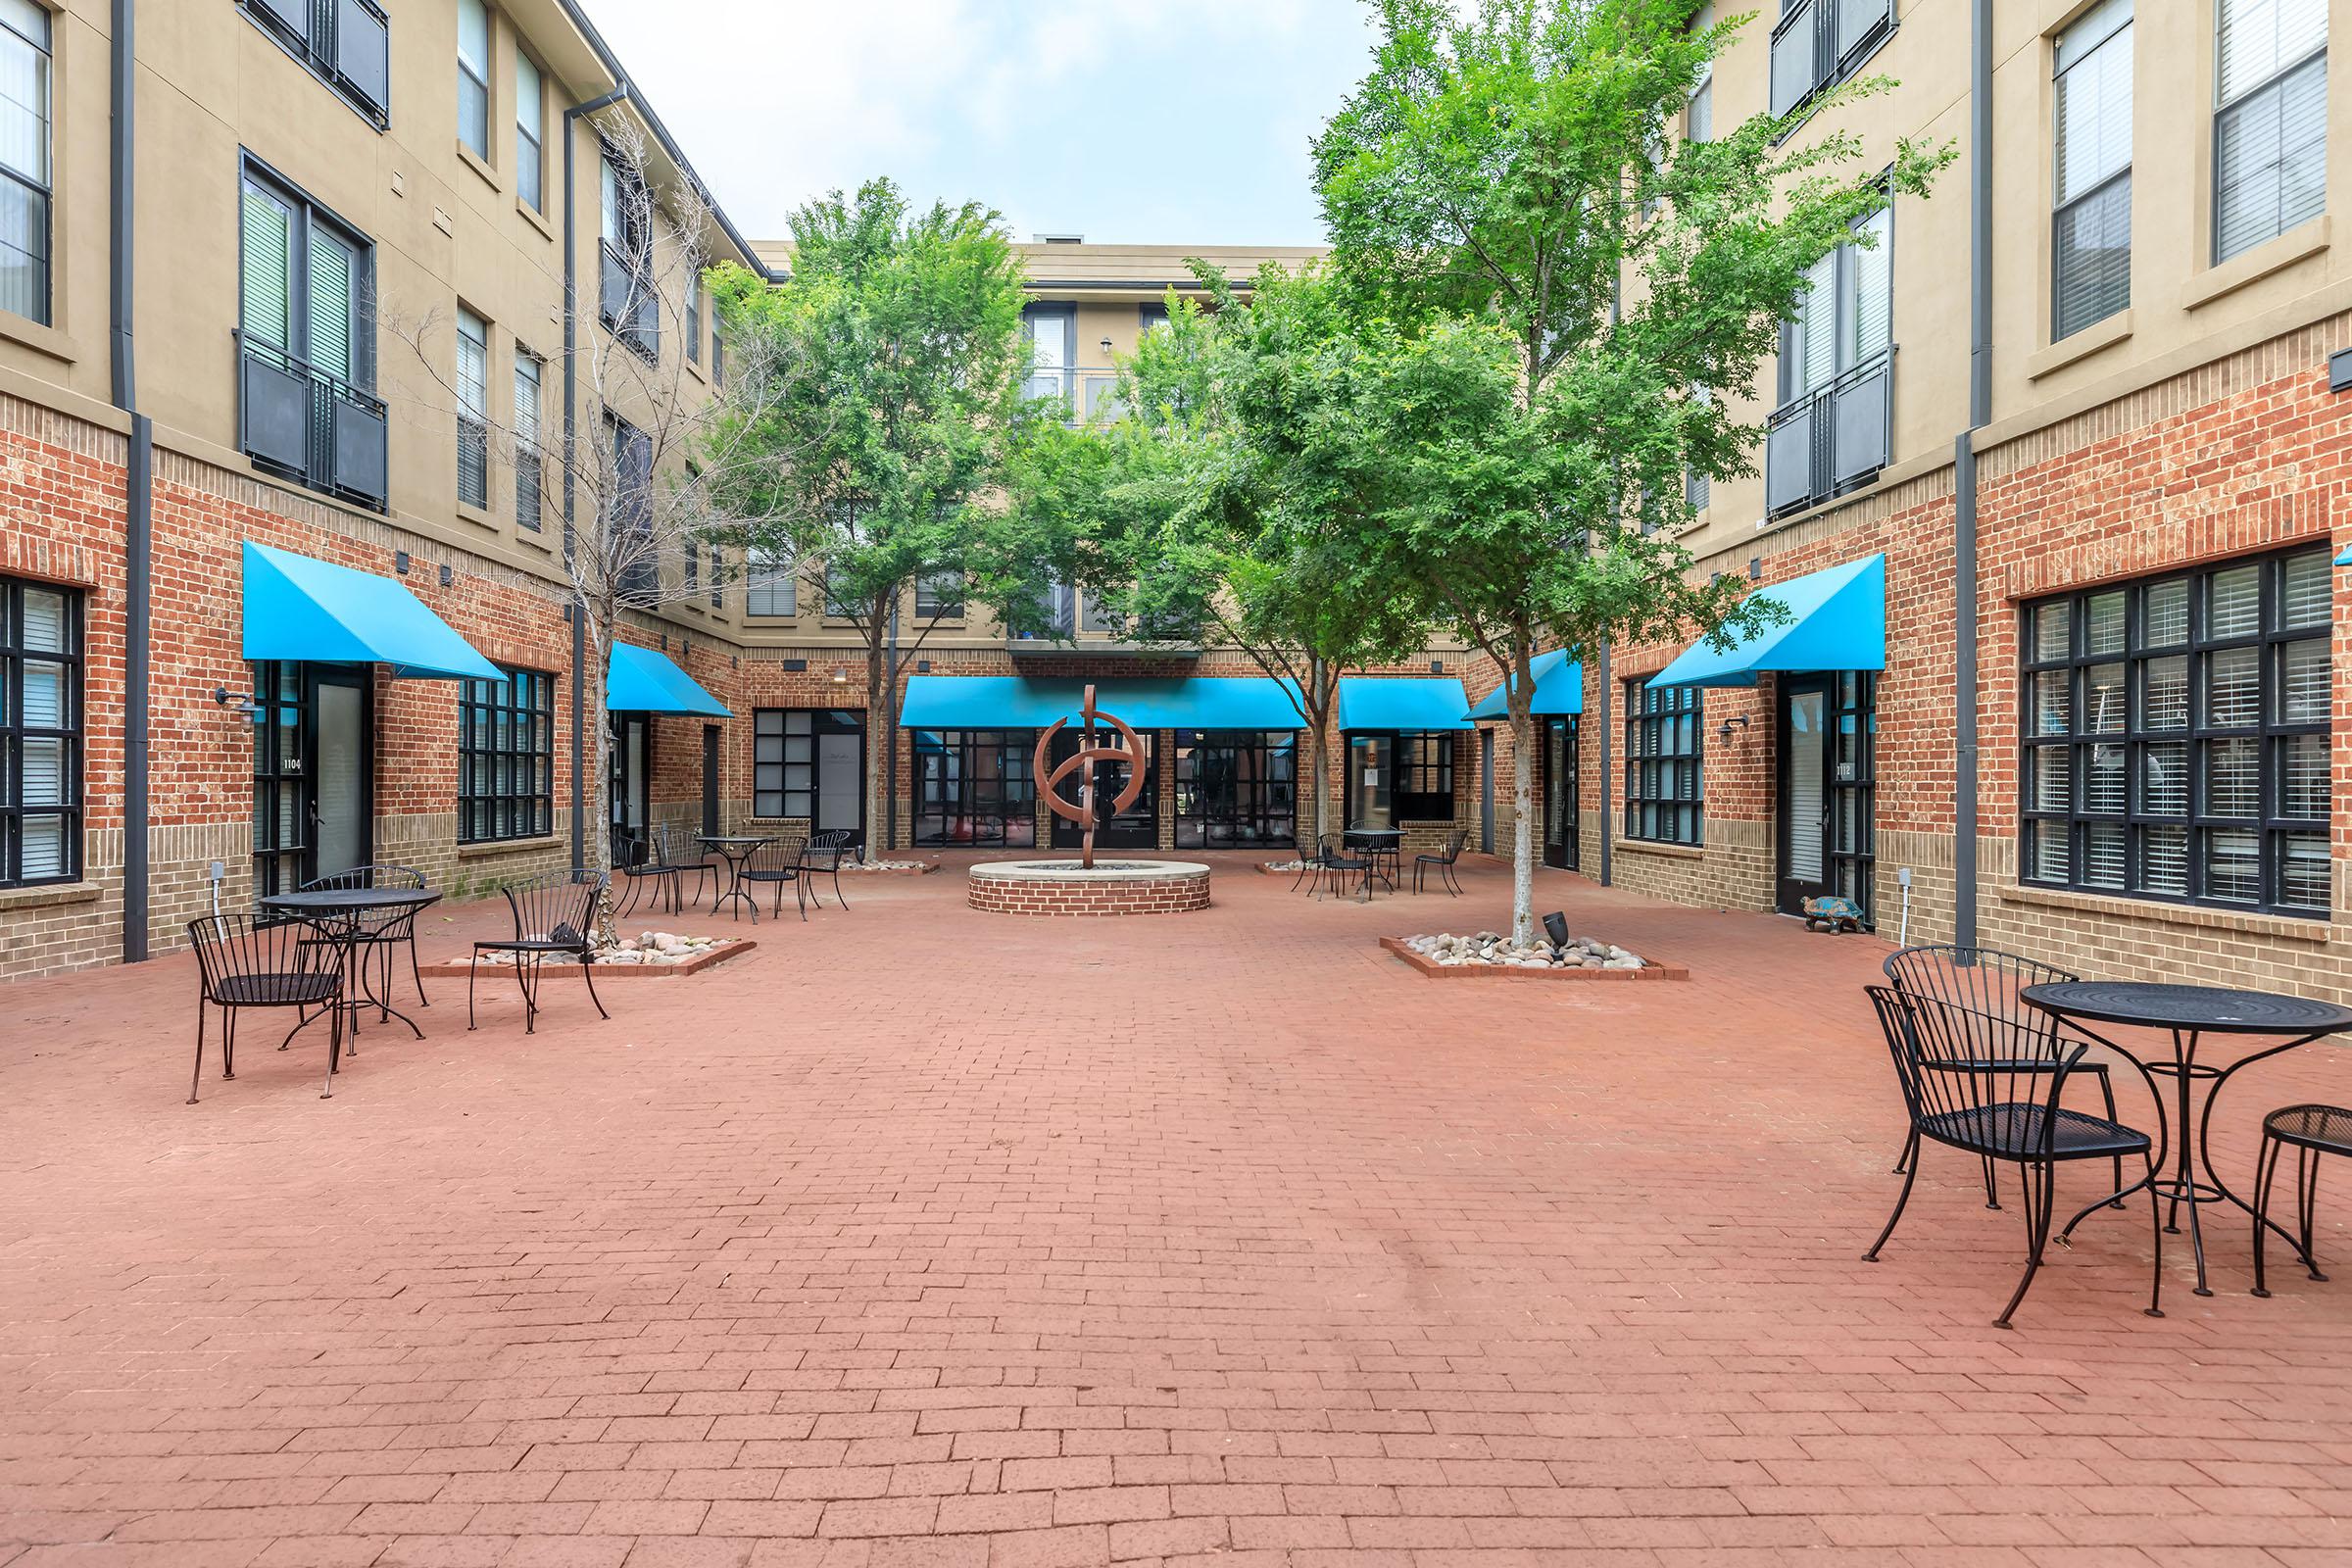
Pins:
<point x="1555" y="926"/>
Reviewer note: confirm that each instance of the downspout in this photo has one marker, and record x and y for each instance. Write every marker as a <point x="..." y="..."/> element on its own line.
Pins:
<point x="578" y="606"/>
<point x="1964" y="477"/>
<point x="139" y="509"/>
<point x="890" y="751"/>
<point x="1607" y="769"/>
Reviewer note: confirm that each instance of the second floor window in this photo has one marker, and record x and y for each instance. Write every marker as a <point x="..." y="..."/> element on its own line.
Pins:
<point x="2270" y="131"/>
<point x="694" y="314"/>
<point x="770" y="585"/>
<point x="473" y="403"/>
<point x="530" y="496"/>
<point x="40" y="733"/>
<point x="838" y="603"/>
<point x="507" y="757"/>
<point x="628" y="258"/>
<point x="529" y="122"/>
<point x="1699" y="113"/>
<point x="474" y="77"/>
<point x="939" y="596"/>
<point x="1664" y="785"/>
<point x="631" y="545"/>
<point x="25" y="194"/>
<point x="1847" y="314"/>
<point x="2090" y="250"/>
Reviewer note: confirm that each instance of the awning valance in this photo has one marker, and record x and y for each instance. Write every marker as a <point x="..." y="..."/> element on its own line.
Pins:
<point x="1403" y="701"/>
<point x="300" y="608"/>
<point x="1559" y="689"/>
<point x="1022" y="702"/>
<point x="1836" y="620"/>
<point x="639" y="680"/>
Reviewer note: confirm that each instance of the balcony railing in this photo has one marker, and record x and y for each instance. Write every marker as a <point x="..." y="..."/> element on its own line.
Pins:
<point x="626" y="301"/>
<point x="1818" y="43"/>
<point x="1088" y="394"/>
<point x="1833" y="439"/>
<point x="310" y="425"/>
<point x="347" y="43"/>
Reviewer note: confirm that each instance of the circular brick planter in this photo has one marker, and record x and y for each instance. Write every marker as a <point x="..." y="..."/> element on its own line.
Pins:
<point x="1064" y="887"/>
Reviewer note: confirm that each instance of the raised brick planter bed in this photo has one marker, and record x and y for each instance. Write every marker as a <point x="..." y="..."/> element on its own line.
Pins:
<point x="1112" y="887"/>
<point x="1652" y="970"/>
<point x="460" y="968"/>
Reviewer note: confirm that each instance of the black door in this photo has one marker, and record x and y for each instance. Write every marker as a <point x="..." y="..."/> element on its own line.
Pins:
<point x="1137" y="827"/>
<point x="711" y="779"/>
<point x="1560" y="793"/>
<point x="1806" y="782"/>
<point x="342" y="769"/>
<point x="313" y="773"/>
<point x="632" y="774"/>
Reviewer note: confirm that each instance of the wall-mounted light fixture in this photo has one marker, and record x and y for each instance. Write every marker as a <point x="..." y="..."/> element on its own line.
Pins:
<point x="1107" y="347"/>
<point x="248" y="705"/>
<point x="1722" y="731"/>
<point x="400" y="561"/>
<point x="1437" y="667"/>
<point x="841" y="676"/>
<point x="448" y="576"/>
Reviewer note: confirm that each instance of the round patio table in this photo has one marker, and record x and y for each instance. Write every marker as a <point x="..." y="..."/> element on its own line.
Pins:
<point x="2188" y="1014"/>
<point x="338" y="915"/>
<point x="1385" y="846"/>
<point x="735" y="849"/>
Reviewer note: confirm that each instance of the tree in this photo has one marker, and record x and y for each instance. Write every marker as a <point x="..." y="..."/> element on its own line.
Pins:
<point x="887" y="451"/>
<point x="1208" y="508"/>
<point x="1553" y="281"/>
<point x="655" y="477"/>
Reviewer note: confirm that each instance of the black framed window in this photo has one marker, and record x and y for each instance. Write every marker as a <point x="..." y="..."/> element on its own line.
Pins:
<point x="1236" y="788"/>
<point x="40" y="733"/>
<point x="694" y="316"/>
<point x="506" y="758"/>
<point x="1399" y="776"/>
<point x="718" y="579"/>
<point x="784" y="762"/>
<point x="24" y="173"/>
<point x="2176" y="737"/>
<point x="473" y="409"/>
<point x="530" y="493"/>
<point x="2090" y="251"/>
<point x="1854" y="785"/>
<point x="1665" y="780"/>
<point x="626" y="287"/>
<point x="282" y="724"/>
<point x="771" y="584"/>
<point x="975" y="786"/>
<point x="632" y="502"/>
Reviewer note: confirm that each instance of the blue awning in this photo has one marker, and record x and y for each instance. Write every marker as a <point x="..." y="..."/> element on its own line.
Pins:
<point x="2346" y="559"/>
<point x="1403" y="701"/>
<point x="1022" y="702"/>
<point x="1836" y="620"/>
<point x="300" y="608"/>
<point x="1559" y="689"/>
<point x="639" y="680"/>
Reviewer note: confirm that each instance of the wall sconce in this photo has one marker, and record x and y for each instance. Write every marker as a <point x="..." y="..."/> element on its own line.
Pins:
<point x="841" y="676"/>
<point x="1107" y="348"/>
<point x="248" y="706"/>
<point x="1723" y="731"/>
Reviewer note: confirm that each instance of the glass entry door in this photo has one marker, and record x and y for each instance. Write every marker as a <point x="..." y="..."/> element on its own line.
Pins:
<point x="632" y="774"/>
<point x="340" y="809"/>
<point x="313" y="773"/>
<point x="1135" y="828"/>
<point x="1561" y="796"/>
<point x="1805" y="806"/>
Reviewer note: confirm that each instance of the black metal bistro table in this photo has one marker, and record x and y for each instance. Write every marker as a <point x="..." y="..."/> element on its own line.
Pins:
<point x="339" y="914"/>
<point x="1384" y="844"/>
<point x="734" y="849"/>
<point x="2188" y="1014"/>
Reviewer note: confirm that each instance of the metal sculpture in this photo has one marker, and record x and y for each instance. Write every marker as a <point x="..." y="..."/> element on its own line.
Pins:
<point x="1082" y="762"/>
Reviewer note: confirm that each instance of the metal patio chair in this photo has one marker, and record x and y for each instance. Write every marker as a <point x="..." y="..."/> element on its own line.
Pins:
<point x="1455" y="842"/>
<point x="1986" y="985"/>
<point x="774" y="865"/>
<point x="554" y="915"/>
<point x="824" y="851"/>
<point x="665" y="857"/>
<point x="2002" y="1109"/>
<point x="377" y="934"/>
<point x="2315" y="1132"/>
<point x="248" y="960"/>
<point x="1335" y="863"/>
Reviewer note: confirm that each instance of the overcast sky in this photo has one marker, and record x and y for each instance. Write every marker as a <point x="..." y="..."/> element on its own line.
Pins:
<point x="1178" y="121"/>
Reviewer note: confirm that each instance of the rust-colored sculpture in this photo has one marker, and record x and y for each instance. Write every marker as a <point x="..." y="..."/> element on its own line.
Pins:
<point x="1082" y="813"/>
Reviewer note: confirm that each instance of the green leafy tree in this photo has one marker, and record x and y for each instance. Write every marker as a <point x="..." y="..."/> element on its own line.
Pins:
<point x="1551" y="278"/>
<point x="888" y="444"/>
<point x="1205" y="511"/>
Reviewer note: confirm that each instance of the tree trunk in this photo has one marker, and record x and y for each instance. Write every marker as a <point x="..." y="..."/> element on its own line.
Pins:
<point x="1521" y="698"/>
<point x="1318" y="761"/>
<point x="597" y="756"/>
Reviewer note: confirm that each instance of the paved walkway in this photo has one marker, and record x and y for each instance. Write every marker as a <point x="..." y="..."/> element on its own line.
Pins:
<point x="923" y="1236"/>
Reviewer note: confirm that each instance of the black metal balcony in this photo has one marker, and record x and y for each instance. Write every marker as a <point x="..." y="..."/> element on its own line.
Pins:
<point x="1831" y="440"/>
<point x="628" y="302"/>
<point x="1819" y="42"/>
<point x="310" y="426"/>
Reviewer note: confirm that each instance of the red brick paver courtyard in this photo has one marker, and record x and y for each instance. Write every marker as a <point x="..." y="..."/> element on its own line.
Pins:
<point x="928" y="1236"/>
